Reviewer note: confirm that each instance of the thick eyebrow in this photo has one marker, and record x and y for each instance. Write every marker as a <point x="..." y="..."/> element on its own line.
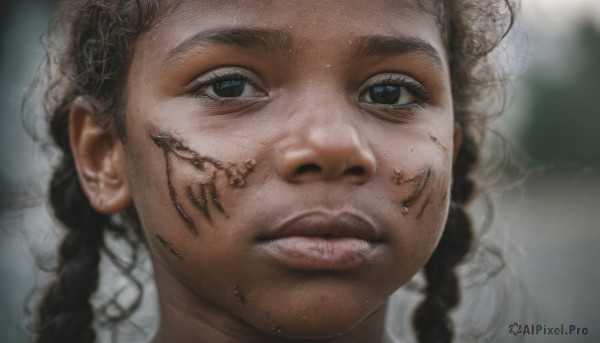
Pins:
<point x="395" y="45"/>
<point x="274" y="41"/>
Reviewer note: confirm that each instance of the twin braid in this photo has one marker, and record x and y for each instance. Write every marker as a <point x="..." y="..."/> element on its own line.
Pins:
<point x="95" y="62"/>
<point x="65" y="312"/>
<point x="431" y="319"/>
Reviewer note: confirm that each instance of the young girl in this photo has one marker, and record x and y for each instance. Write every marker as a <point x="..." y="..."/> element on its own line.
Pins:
<point x="288" y="164"/>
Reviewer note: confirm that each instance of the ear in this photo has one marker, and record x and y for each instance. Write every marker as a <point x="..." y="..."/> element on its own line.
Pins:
<point x="458" y="139"/>
<point x="99" y="158"/>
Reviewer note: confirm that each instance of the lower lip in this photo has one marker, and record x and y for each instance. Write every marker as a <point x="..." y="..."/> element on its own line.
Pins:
<point x="319" y="253"/>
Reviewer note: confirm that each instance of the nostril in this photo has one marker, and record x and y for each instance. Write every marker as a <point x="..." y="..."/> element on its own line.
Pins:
<point x="308" y="169"/>
<point x="355" y="171"/>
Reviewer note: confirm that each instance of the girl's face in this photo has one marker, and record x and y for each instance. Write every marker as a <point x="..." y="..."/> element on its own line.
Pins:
<point x="290" y="160"/>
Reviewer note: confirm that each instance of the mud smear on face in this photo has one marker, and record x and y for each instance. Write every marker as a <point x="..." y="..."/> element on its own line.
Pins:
<point x="437" y="142"/>
<point x="421" y="180"/>
<point x="202" y="194"/>
<point x="425" y="204"/>
<point x="169" y="246"/>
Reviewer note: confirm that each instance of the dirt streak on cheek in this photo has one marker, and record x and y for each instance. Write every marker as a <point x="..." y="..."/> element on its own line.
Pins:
<point x="437" y="142"/>
<point x="422" y="180"/>
<point x="425" y="184"/>
<point x="203" y="195"/>
<point x="169" y="246"/>
<point x="425" y="204"/>
<point x="432" y="195"/>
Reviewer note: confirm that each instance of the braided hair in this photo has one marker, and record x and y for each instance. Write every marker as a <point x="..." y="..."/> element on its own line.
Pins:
<point x="473" y="77"/>
<point x="93" y="63"/>
<point x="94" y="60"/>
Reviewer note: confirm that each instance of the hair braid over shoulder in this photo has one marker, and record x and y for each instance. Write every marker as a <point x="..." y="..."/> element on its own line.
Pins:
<point x="65" y="313"/>
<point x="93" y="61"/>
<point x="431" y="319"/>
<point x="473" y="30"/>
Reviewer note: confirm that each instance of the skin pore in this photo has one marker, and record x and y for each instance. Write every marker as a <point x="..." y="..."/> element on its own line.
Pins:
<point x="248" y="120"/>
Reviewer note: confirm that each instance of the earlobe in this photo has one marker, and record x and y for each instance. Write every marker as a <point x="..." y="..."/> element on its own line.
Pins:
<point x="458" y="139"/>
<point x="99" y="158"/>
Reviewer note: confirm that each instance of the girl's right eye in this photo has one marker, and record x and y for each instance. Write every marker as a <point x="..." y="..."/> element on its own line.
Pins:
<point x="228" y="84"/>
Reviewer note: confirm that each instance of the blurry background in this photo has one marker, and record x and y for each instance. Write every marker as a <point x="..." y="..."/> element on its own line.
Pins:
<point x="548" y="225"/>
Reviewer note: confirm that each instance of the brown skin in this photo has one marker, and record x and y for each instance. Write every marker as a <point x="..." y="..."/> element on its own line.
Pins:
<point x="306" y="108"/>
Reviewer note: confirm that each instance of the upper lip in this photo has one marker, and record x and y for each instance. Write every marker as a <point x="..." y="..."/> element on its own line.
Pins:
<point x="322" y="223"/>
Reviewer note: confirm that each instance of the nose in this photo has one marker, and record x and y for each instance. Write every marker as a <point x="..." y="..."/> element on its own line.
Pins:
<point x="323" y="152"/>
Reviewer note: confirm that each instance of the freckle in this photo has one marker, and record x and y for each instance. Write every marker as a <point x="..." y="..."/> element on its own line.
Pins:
<point x="273" y="325"/>
<point x="238" y="294"/>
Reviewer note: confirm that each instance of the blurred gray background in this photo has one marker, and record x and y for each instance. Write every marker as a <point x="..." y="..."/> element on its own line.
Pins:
<point x="548" y="225"/>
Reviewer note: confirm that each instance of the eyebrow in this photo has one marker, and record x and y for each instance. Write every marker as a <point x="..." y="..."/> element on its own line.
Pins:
<point x="397" y="45"/>
<point x="274" y="41"/>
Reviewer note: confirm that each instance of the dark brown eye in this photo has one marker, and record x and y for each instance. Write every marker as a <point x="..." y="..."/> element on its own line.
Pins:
<point x="229" y="84"/>
<point x="385" y="94"/>
<point x="229" y="88"/>
<point x="393" y="90"/>
<point x="388" y="94"/>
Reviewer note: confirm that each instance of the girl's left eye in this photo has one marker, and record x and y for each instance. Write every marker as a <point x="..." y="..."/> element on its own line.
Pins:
<point x="395" y="91"/>
<point x="388" y="95"/>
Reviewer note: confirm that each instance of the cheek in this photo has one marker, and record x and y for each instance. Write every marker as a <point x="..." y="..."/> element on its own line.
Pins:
<point x="182" y="194"/>
<point x="420" y="186"/>
<point x="424" y="215"/>
<point x="186" y="201"/>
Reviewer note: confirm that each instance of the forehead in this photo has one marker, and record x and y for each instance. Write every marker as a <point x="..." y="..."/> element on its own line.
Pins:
<point x="305" y="20"/>
<point x="307" y="11"/>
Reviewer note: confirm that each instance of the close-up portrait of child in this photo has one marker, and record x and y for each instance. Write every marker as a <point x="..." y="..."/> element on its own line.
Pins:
<point x="285" y="166"/>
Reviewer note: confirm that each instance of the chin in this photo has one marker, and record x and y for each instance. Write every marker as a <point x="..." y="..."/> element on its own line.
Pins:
<point x="319" y="320"/>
